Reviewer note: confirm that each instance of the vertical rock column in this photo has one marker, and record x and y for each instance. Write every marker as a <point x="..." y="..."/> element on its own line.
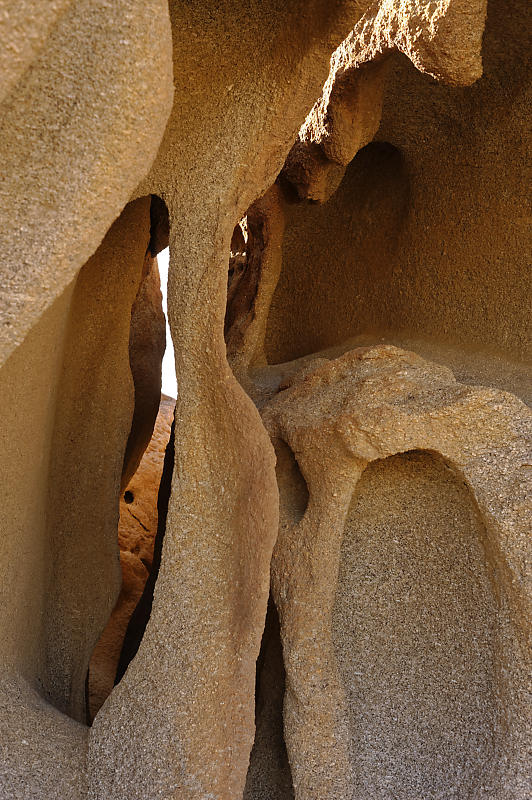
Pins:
<point x="181" y="722"/>
<point x="194" y="673"/>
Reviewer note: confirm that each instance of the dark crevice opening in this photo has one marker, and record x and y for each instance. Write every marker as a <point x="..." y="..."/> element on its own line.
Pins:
<point x="146" y="344"/>
<point x="269" y="775"/>
<point x="141" y="615"/>
<point x="293" y="489"/>
<point x="159" y="225"/>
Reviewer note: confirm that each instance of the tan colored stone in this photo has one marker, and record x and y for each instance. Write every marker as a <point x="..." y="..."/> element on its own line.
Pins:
<point x="414" y="629"/>
<point x="248" y="302"/>
<point x="24" y="28"/>
<point x="269" y="776"/>
<point x="82" y="508"/>
<point x="137" y="527"/>
<point x="89" y="96"/>
<point x="141" y="616"/>
<point x="371" y="404"/>
<point x="28" y="402"/>
<point x="61" y="495"/>
<point x="104" y="659"/>
<point x="440" y="38"/>
<point x="138" y="509"/>
<point x="421" y="244"/>
<point x="222" y="519"/>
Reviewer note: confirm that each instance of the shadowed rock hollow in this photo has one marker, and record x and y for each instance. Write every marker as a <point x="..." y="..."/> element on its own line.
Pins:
<point x="336" y="604"/>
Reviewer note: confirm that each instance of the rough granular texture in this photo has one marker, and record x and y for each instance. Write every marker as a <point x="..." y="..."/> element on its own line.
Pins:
<point x="402" y="586"/>
<point x="376" y="154"/>
<point x="137" y="527"/>
<point x="269" y="776"/>
<point x="413" y="632"/>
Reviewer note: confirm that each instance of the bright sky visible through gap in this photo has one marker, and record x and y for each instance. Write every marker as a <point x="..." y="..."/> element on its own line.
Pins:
<point x="169" y="386"/>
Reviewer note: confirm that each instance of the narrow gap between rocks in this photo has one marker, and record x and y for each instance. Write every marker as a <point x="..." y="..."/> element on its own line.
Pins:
<point x="269" y="774"/>
<point x="147" y="471"/>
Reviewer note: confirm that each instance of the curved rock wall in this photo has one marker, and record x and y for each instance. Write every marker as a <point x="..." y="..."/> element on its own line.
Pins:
<point x="72" y="379"/>
<point x="383" y="267"/>
<point x="413" y="630"/>
<point x="80" y="126"/>
<point x="423" y="239"/>
<point x="137" y="528"/>
<point x="93" y="418"/>
<point x="362" y="623"/>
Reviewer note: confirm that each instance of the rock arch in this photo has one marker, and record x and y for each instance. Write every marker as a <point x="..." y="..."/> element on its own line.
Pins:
<point x="337" y="416"/>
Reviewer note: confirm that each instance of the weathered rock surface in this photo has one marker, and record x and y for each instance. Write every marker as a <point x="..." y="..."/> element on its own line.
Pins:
<point x="104" y="660"/>
<point x="222" y="518"/>
<point x="61" y="480"/>
<point x="421" y="245"/>
<point x="269" y="776"/>
<point x="414" y="630"/>
<point x="87" y="99"/>
<point x="138" y="504"/>
<point x="442" y="39"/>
<point x="402" y="589"/>
<point x="399" y="567"/>
<point x="82" y="511"/>
<point x="137" y="527"/>
<point x="141" y="616"/>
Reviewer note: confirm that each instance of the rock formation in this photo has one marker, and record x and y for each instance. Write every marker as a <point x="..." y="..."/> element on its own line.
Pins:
<point x="341" y="601"/>
<point x="137" y="527"/>
<point x="448" y="660"/>
<point x="147" y="342"/>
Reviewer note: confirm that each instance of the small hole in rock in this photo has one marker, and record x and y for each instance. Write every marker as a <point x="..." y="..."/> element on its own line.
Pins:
<point x="128" y="497"/>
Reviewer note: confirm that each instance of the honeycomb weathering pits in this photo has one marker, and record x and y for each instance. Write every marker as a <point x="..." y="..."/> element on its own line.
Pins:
<point x="338" y="603"/>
